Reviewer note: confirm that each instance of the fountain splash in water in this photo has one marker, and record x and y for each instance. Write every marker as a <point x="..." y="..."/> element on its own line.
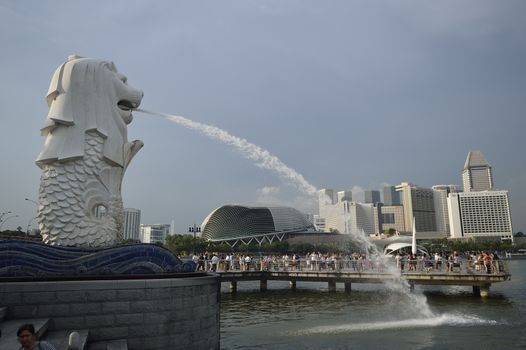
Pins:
<point x="249" y="150"/>
<point x="416" y="303"/>
<point x="452" y="320"/>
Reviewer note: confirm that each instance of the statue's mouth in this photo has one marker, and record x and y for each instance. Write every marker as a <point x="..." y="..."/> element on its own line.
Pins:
<point x="126" y="105"/>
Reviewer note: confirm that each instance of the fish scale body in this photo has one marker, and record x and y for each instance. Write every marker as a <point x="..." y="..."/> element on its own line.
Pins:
<point x="69" y="195"/>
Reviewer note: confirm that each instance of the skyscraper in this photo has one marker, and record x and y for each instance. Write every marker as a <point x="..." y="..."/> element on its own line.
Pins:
<point x="418" y="204"/>
<point x="484" y="213"/>
<point x="344" y="196"/>
<point x="441" y="192"/>
<point x="344" y="215"/>
<point x="132" y="223"/>
<point x="371" y="196"/>
<point x="391" y="197"/>
<point x="479" y="211"/>
<point x="477" y="175"/>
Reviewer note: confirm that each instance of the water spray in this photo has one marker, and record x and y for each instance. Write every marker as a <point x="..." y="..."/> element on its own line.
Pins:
<point x="260" y="156"/>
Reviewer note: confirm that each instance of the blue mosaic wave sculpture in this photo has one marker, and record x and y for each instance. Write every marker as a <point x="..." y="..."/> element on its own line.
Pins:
<point x="32" y="259"/>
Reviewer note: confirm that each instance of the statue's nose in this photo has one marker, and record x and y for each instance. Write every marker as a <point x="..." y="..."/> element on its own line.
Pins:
<point x="140" y="95"/>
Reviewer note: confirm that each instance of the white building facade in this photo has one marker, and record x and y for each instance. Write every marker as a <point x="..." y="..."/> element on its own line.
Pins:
<point x="441" y="193"/>
<point x="155" y="233"/>
<point x="480" y="214"/>
<point x="343" y="215"/>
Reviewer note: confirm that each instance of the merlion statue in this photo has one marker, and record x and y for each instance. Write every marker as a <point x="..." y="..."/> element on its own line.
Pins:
<point x="85" y="154"/>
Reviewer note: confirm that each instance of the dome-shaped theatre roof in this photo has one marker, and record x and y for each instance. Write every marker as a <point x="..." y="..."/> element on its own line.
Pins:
<point x="235" y="221"/>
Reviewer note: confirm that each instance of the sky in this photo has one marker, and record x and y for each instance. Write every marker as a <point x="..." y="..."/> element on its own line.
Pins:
<point x="349" y="94"/>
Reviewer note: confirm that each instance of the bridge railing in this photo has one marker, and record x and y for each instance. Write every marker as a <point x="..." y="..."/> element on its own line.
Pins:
<point x="353" y="265"/>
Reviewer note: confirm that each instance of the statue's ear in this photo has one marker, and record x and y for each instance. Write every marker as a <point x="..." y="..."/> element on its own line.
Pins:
<point x="55" y="87"/>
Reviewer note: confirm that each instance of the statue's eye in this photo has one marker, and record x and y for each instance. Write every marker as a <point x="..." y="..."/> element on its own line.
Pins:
<point x="122" y="78"/>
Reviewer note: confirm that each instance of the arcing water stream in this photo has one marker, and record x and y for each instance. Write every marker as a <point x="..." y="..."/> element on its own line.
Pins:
<point x="416" y="303"/>
<point x="261" y="157"/>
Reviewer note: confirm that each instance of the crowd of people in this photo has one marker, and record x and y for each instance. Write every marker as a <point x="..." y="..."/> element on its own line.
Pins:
<point x="359" y="262"/>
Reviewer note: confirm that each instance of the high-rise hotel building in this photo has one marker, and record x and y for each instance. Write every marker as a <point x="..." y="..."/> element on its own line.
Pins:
<point x="477" y="175"/>
<point x="479" y="211"/>
<point x="480" y="214"/>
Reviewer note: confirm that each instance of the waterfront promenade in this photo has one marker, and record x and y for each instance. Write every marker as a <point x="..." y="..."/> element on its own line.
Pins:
<point x="349" y="272"/>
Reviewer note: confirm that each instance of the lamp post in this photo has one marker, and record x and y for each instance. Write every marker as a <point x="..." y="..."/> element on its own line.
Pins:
<point x="4" y="214"/>
<point x="32" y="201"/>
<point x="30" y="220"/>
<point x="7" y="218"/>
<point x="29" y="224"/>
<point x="194" y="229"/>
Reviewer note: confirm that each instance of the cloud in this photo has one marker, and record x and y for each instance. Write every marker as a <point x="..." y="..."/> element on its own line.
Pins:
<point x="269" y="190"/>
<point x="273" y="196"/>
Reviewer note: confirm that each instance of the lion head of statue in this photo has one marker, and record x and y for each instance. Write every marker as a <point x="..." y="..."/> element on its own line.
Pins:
<point x="87" y="94"/>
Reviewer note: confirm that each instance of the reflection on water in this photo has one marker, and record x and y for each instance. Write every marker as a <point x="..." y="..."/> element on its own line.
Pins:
<point x="373" y="318"/>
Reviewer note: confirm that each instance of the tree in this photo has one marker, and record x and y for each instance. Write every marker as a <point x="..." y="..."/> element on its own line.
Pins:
<point x="389" y="232"/>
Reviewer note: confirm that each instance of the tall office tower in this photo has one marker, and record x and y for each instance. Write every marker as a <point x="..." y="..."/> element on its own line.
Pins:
<point x="132" y="223"/>
<point x="477" y="175"/>
<point x="418" y="203"/>
<point x="359" y="216"/>
<point x="345" y="196"/>
<point x="371" y="196"/>
<point x="326" y="196"/>
<point x="483" y="214"/>
<point x="441" y="192"/>
<point x="389" y="216"/>
<point x="342" y="214"/>
<point x="391" y="197"/>
<point x="155" y="233"/>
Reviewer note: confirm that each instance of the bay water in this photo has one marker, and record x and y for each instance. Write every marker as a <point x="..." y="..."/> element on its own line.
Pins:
<point x="372" y="317"/>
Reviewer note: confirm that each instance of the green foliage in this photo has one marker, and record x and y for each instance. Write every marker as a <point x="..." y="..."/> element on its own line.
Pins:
<point x="389" y="232"/>
<point x="184" y="244"/>
<point x="470" y="245"/>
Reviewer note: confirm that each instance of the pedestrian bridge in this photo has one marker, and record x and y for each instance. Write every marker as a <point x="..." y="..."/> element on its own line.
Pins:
<point x="466" y="275"/>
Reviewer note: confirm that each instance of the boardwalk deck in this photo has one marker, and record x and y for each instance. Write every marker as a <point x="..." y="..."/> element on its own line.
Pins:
<point x="480" y="282"/>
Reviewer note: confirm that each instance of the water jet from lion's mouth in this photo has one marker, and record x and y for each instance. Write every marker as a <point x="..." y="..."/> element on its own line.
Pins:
<point x="264" y="159"/>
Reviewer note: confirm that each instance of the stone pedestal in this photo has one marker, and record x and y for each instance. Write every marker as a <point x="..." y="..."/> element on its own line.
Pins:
<point x="156" y="313"/>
